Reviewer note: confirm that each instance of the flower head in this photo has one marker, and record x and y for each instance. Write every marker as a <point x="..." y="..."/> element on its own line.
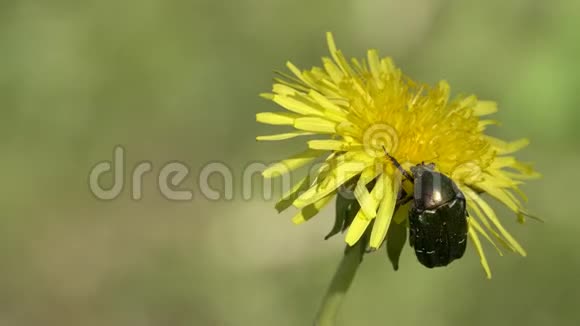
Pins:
<point x="364" y="108"/>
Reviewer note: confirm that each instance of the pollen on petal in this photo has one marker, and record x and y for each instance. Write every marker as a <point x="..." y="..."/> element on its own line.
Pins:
<point x="504" y="147"/>
<point x="329" y="145"/>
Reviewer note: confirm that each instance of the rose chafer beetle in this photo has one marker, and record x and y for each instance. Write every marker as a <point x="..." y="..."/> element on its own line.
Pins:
<point x="437" y="216"/>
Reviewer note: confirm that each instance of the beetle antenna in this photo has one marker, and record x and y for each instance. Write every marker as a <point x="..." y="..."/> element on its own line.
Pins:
<point x="528" y="215"/>
<point x="398" y="166"/>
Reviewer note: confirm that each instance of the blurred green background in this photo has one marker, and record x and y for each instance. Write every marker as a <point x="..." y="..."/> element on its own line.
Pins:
<point x="178" y="80"/>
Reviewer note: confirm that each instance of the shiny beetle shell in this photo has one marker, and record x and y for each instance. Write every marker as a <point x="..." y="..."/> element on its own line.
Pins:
<point x="437" y="218"/>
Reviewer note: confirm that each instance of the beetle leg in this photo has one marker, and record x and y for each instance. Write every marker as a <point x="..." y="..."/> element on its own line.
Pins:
<point x="403" y="201"/>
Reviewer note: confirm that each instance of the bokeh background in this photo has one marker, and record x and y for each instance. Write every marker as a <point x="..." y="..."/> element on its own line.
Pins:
<point x="178" y="80"/>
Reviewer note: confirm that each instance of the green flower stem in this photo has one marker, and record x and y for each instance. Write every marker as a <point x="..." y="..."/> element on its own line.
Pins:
<point x="340" y="284"/>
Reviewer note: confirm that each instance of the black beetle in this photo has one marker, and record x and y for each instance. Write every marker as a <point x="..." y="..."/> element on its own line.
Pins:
<point x="437" y="216"/>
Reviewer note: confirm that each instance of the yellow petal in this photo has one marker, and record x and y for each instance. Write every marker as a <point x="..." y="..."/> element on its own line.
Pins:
<point x="385" y="213"/>
<point x="358" y="66"/>
<point x="475" y="211"/>
<point x="276" y="118"/>
<point x="329" y="145"/>
<point x="291" y="81"/>
<point x="375" y="66"/>
<point x="327" y="104"/>
<point x="509" y="193"/>
<point x="482" y="124"/>
<point x="479" y="248"/>
<point x="333" y="71"/>
<point x="470" y="101"/>
<point x="268" y="96"/>
<point x="347" y="128"/>
<point x="485" y="108"/>
<point x="309" y="211"/>
<point x="295" y="105"/>
<point x="388" y="65"/>
<point x="493" y="218"/>
<point x="525" y="170"/>
<point x="474" y="224"/>
<point x="337" y="176"/>
<point x="504" y="147"/>
<point x="284" y="136"/>
<point x="357" y="228"/>
<point x="290" y="196"/>
<point x="331" y="44"/>
<point x="291" y="163"/>
<point x="282" y="89"/>
<point x="373" y="202"/>
<point x="468" y="172"/>
<point x="367" y="202"/>
<point x="337" y="55"/>
<point x="500" y="195"/>
<point x="498" y="179"/>
<point x="296" y="72"/>
<point x="505" y="179"/>
<point x="519" y="176"/>
<point x="318" y="125"/>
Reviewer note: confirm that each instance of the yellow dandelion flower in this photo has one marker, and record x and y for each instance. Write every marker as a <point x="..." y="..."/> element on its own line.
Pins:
<point x="363" y="108"/>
